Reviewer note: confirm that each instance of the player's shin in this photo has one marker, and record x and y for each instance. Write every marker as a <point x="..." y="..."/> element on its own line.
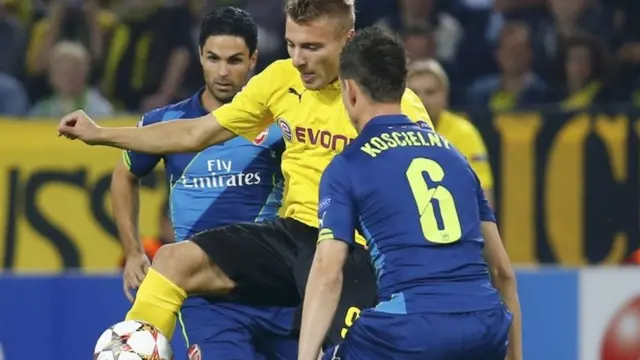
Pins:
<point x="158" y="302"/>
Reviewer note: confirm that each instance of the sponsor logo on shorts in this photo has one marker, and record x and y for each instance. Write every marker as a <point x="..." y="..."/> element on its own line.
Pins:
<point x="261" y="137"/>
<point x="194" y="352"/>
<point x="285" y="128"/>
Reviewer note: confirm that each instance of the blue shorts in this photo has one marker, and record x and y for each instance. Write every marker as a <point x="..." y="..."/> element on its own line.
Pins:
<point x="238" y="332"/>
<point x="481" y="335"/>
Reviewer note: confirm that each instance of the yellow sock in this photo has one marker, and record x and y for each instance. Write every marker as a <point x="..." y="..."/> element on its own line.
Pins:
<point x="158" y="302"/>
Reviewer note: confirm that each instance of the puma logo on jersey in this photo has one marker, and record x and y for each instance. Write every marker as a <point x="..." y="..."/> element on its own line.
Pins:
<point x="296" y="93"/>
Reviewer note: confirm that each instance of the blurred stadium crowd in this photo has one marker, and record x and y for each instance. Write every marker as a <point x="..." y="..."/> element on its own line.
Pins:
<point x="115" y="56"/>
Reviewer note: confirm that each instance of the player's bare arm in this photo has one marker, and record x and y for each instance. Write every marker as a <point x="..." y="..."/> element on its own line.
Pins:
<point x="321" y="297"/>
<point x="125" y="201"/>
<point x="188" y="135"/>
<point x="504" y="279"/>
<point x="488" y="193"/>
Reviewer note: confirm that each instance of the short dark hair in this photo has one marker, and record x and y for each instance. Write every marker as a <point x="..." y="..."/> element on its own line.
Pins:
<point x="231" y="21"/>
<point x="302" y="11"/>
<point x="375" y="60"/>
<point x="598" y="54"/>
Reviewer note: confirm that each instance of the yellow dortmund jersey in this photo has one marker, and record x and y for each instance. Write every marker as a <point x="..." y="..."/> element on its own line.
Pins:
<point x="467" y="139"/>
<point x="314" y="124"/>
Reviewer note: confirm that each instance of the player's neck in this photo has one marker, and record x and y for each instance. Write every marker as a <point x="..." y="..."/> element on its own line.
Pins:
<point x="209" y="102"/>
<point x="375" y="110"/>
<point x="435" y="119"/>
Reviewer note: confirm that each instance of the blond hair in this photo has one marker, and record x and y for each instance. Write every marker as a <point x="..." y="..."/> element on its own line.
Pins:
<point x="431" y="67"/>
<point x="302" y="11"/>
<point x="69" y="49"/>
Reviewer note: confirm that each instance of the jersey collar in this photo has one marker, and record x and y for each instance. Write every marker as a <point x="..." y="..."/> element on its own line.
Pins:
<point x="396" y="119"/>
<point x="196" y="103"/>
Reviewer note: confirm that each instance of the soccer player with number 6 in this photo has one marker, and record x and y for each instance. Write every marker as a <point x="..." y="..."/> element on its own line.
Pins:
<point x="427" y="224"/>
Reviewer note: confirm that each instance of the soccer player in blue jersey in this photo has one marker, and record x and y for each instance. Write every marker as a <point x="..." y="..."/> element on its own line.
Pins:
<point x="427" y="225"/>
<point x="238" y="181"/>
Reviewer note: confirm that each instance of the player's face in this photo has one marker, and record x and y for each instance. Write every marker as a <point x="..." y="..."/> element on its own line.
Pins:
<point x="431" y="92"/>
<point x="226" y="64"/>
<point x="315" y="49"/>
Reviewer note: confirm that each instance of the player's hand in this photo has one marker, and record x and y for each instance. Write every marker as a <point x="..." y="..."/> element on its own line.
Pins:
<point x="135" y="269"/>
<point x="78" y="125"/>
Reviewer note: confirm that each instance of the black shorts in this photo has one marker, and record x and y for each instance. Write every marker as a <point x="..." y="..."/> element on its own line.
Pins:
<point x="270" y="262"/>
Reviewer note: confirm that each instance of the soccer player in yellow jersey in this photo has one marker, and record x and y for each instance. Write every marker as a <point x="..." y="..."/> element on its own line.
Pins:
<point x="430" y="82"/>
<point x="261" y="264"/>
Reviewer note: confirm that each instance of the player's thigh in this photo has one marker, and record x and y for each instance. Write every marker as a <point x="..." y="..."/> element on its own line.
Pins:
<point x="486" y="334"/>
<point x="480" y="335"/>
<point x="257" y="257"/>
<point x="217" y="333"/>
<point x="188" y="266"/>
<point x="359" y="291"/>
<point x="381" y="336"/>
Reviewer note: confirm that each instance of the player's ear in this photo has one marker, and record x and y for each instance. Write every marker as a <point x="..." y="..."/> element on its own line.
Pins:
<point x="253" y="59"/>
<point x="351" y="90"/>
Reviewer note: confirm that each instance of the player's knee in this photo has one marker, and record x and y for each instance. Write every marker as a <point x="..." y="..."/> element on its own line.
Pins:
<point x="179" y="262"/>
<point x="188" y="266"/>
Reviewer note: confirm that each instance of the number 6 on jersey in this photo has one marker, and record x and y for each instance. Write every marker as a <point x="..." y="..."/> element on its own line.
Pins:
<point x="451" y="230"/>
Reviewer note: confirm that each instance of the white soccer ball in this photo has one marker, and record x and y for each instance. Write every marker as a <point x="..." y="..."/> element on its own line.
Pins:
<point x="132" y="340"/>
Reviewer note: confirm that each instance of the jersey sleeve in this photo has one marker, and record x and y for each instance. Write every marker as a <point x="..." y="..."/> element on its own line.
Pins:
<point x="414" y="109"/>
<point x="141" y="164"/>
<point x="474" y="149"/>
<point x="486" y="213"/>
<point x="248" y="113"/>
<point x="336" y="209"/>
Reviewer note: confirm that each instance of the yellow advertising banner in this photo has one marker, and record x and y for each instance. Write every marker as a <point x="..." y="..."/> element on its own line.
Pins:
<point x="567" y="191"/>
<point x="568" y="186"/>
<point x="55" y="211"/>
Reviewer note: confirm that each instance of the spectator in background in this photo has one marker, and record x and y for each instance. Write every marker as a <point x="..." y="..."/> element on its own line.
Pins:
<point x="445" y="30"/>
<point x="482" y="22"/>
<point x="13" y="97"/>
<point x="12" y="41"/>
<point x="269" y="17"/>
<point x="23" y="9"/>
<point x="68" y="73"/>
<point x="583" y="73"/>
<point x="419" y="42"/>
<point x="430" y="82"/>
<point x="516" y="85"/>
<point x="81" y="21"/>
<point x="626" y="45"/>
<point x="570" y="18"/>
<point x="147" y="55"/>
